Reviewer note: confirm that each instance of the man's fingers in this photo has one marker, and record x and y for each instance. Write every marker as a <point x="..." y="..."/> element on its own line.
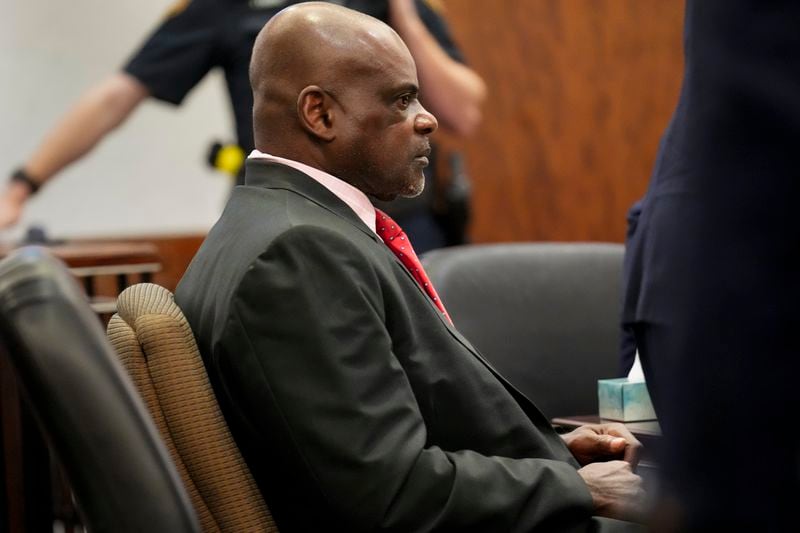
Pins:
<point x="603" y="442"/>
<point x="632" y="453"/>
<point x="609" y="445"/>
<point x="630" y="450"/>
<point x="633" y="447"/>
<point x="616" y="444"/>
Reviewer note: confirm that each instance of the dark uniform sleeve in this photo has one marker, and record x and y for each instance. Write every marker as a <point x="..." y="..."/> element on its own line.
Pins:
<point x="180" y="51"/>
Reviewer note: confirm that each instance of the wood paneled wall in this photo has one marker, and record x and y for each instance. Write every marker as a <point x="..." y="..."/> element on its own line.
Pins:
<point x="580" y="93"/>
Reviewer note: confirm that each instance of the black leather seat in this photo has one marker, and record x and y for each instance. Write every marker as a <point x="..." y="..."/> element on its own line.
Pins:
<point x="545" y="314"/>
<point x="96" y="424"/>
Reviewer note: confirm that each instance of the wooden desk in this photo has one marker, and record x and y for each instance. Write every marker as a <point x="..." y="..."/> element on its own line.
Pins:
<point x="33" y="492"/>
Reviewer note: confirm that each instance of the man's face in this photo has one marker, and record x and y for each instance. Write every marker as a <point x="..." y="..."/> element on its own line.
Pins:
<point x="383" y="129"/>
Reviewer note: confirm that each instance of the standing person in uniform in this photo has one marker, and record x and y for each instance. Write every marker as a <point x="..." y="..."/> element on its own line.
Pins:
<point x="199" y="35"/>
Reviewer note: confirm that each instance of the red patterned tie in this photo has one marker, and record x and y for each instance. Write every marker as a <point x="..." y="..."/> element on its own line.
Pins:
<point x="395" y="238"/>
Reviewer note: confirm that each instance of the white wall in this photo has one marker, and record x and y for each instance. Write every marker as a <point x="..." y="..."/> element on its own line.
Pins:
<point x="150" y="175"/>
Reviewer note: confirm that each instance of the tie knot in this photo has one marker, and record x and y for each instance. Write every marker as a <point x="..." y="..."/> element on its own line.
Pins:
<point x="387" y="229"/>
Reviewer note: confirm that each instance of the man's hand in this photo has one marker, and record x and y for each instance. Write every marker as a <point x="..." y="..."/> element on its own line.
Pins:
<point x="616" y="491"/>
<point x="602" y="442"/>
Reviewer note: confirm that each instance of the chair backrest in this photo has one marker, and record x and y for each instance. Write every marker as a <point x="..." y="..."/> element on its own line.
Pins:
<point x="156" y="345"/>
<point x="96" y="424"/>
<point x="546" y="315"/>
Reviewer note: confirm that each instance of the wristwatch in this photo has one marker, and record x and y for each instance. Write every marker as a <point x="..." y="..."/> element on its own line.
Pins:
<point x="21" y="176"/>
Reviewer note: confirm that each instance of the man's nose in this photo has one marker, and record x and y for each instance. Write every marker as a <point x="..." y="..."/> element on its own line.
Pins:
<point x="425" y="123"/>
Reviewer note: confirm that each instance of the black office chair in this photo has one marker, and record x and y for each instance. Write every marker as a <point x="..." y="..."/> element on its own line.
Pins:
<point x="546" y="315"/>
<point x="120" y="471"/>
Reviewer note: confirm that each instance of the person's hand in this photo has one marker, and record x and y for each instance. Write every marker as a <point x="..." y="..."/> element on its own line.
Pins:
<point x="12" y="200"/>
<point x="601" y="442"/>
<point x="616" y="491"/>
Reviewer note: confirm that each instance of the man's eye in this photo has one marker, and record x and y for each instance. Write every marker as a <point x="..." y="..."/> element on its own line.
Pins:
<point x="404" y="101"/>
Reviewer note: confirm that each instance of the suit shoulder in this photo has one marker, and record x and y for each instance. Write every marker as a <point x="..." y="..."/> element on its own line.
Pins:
<point x="317" y="240"/>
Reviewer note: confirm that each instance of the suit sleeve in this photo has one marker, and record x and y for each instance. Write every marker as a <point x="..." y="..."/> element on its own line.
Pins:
<point x="327" y="385"/>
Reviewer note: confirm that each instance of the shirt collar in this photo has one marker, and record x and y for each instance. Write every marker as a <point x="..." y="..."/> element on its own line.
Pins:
<point x="355" y="199"/>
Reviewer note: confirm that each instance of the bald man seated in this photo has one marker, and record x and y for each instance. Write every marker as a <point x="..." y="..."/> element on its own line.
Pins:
<point x="355" y="401"/>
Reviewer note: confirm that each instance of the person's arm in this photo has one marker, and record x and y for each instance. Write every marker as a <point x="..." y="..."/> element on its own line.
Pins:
<point x="452" y="91"/>
<point x="101" y="109"/>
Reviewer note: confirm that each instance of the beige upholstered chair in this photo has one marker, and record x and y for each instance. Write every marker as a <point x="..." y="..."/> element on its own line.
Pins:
<point x="156" y="345"/>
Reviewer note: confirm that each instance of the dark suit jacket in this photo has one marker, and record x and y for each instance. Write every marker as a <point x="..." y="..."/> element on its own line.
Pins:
<point x="356" y="404"/>
<point x="715" y="270"/>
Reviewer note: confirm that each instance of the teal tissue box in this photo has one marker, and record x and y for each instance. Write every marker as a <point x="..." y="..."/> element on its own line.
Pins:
<point x="623" y="400"/>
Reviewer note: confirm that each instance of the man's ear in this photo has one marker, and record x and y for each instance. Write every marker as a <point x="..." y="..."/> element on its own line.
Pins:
<point x="316" y="113"/>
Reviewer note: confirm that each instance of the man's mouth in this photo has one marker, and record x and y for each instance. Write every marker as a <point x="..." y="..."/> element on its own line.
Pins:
<point x="422" y="157"/>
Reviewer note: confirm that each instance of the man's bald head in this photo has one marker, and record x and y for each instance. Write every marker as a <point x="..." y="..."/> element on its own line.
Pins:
<point x="312" y="44"/>
<point x="337" y="90"/>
